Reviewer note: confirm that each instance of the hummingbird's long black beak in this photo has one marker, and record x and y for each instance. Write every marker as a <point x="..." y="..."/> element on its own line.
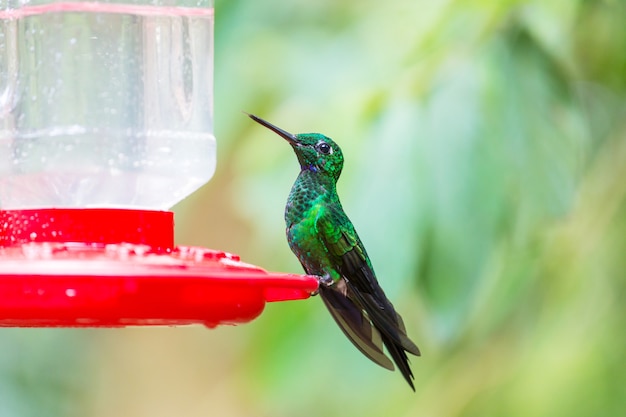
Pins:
<point x="290" y="137"/>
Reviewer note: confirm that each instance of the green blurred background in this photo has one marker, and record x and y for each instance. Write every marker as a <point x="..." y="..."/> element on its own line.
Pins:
<point x="486" y="174"/>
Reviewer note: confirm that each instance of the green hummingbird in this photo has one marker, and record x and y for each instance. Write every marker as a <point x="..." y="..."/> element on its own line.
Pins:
<point x="325" y="241"/>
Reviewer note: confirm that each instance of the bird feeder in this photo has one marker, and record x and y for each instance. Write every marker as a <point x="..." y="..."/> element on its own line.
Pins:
<point x="106" y="121"/>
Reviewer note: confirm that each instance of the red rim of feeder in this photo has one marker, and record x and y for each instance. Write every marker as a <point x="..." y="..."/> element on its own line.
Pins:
<point x="119" y="267"/>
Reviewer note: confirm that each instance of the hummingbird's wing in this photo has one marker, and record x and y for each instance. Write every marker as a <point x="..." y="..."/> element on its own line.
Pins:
<point x="363" y="295"/>
<point x="355" y="326"/>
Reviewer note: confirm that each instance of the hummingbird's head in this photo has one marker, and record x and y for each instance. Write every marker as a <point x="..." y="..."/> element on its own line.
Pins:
<point x="315" y="152"/>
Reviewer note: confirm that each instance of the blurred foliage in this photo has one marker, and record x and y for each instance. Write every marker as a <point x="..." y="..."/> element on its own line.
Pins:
<point x="485" y="172"/>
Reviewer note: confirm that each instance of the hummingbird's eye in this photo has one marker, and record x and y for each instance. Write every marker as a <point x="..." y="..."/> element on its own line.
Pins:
<point x="324" y="148"/>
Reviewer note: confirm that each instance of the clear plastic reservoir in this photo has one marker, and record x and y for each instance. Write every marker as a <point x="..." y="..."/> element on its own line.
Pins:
<point x="105" y="104"/>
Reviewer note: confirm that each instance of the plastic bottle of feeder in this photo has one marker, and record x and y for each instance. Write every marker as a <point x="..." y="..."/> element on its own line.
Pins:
<point x="105" y="104"/>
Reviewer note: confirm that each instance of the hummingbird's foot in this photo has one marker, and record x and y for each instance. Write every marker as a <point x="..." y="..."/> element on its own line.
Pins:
<point x="324" y="280"/>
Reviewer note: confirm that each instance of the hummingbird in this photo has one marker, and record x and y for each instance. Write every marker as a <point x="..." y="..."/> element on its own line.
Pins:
<point x="325" y="242"/>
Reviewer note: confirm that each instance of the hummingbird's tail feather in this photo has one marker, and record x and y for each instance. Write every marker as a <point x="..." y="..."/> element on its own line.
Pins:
<point x="356" y="326"/>
<point x="385" y="319"/>
<point x="391" y="327"/>
<point x="369" y="327"/>
<point x="407" y="343"/>
<point x="398" y="355"/>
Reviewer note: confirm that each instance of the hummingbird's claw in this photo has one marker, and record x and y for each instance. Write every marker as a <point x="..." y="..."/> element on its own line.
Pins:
<point x="324" y="280"/>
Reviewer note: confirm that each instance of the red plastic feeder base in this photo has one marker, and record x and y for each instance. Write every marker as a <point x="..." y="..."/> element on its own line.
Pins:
<point x="116" y="267"/>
